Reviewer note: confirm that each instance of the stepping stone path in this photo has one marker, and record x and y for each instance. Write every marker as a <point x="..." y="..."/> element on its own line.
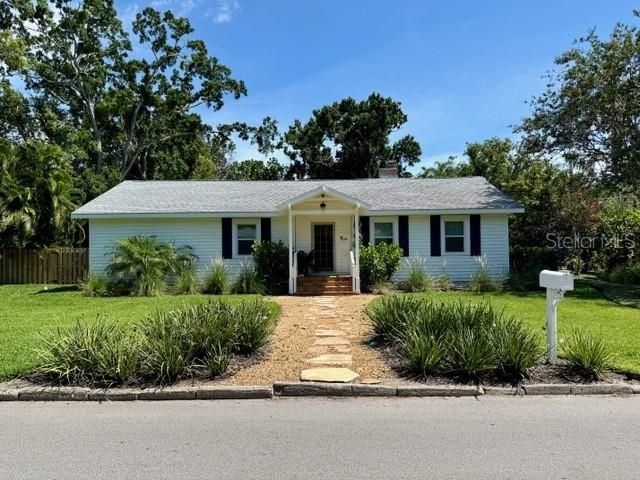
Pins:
<point x="332" y="345"/>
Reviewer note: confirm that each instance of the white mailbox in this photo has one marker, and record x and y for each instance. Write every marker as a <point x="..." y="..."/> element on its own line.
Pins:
<point x="556" y="280"/>
<point x="556" y="284"/>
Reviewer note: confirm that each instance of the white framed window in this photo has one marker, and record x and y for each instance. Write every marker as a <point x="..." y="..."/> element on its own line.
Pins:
<point x="383" y="233"/>
<point x="384" y="230"/>
<point x="455" y="235"/>
<point x="245" y="233"/>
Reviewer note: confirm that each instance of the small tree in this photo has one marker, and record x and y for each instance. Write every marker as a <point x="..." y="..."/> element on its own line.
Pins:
<point x="378" y="263"/>
<point x="141" y="264"/>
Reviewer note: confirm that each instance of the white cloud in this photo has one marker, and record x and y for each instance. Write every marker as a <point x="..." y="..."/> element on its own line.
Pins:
<point x="224" y="12"/>
<point x="181" y="8"/>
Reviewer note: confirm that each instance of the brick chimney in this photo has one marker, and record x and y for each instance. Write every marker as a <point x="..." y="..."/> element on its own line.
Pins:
<point x="390" y="170"/>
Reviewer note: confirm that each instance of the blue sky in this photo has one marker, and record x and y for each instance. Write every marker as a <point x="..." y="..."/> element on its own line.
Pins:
<point x="462" y="70"/>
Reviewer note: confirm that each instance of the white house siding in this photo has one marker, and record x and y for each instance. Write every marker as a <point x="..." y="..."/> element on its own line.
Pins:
<point x="342" y="234"/>
<point x="494" y="237"/>
<point x="202" y="234"/>
<point x="280" y="229"/>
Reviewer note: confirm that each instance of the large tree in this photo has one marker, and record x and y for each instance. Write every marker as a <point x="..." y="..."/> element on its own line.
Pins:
<point x="130" y="109"/>
<point x="69" y="53"/>
<point x="350" y="139"/>
<point x="589" y="116"/>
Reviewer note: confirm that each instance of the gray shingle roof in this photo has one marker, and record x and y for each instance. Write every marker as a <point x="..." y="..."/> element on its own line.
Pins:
<point x="219" y="197"/>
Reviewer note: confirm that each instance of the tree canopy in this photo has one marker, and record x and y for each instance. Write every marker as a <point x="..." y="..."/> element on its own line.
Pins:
<point x="588" y="115"/>
<point x="350" y="139"/>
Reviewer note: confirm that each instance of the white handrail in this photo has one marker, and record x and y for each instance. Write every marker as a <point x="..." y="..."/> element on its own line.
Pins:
<point x="294" y="273"/>
<point x="354" y="274"/>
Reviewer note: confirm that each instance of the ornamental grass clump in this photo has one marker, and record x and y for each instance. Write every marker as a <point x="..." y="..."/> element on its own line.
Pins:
<point x="254" y="326"/>
<point x="462" y="339"/>
<point x="517" y="348"/>
<point x="588" y="355"/>
<point x="481" y="280"/>
<point x="94" y="286"/>
<point x="217" y="281"/>
<point x="161" y="348"/>
<point x="248" y="281"/>
<point x="99" y="352"/>
<point x="418" y="280"/>
<point x="389" y="315"/>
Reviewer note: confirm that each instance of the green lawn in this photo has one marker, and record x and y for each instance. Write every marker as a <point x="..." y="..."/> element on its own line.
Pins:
<point x="584" y="307"/>
<point x="26" y="312"/>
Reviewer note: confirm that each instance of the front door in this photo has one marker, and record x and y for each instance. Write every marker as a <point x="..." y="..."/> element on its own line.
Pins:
<point x="323" y="247"/>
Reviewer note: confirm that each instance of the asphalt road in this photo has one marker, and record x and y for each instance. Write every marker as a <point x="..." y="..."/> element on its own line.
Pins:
<point x="490" y="438"/>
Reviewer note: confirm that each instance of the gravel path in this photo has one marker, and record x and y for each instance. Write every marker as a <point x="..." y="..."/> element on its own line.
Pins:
<point x="294" y="341"/>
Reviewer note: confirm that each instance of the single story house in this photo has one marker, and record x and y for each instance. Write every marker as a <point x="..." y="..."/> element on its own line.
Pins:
<point x="445" y="223"/>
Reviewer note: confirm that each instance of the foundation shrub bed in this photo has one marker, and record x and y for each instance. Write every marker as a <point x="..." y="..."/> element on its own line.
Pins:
<point x="462" y="339"/>
<point x="162" y="348"/>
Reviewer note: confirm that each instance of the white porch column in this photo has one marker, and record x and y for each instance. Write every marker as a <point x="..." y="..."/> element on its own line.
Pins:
<point x="356" y="221"/>
<point x="291" y="274"/>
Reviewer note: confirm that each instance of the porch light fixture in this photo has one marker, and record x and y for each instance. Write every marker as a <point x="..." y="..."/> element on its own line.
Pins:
<point x="323" y="205"/>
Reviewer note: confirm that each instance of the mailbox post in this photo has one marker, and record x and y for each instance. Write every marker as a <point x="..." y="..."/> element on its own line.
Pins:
<point x="556" y="284"/>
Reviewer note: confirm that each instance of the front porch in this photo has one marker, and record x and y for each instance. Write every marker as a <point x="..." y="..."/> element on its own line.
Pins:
<point x="324" y="243"/>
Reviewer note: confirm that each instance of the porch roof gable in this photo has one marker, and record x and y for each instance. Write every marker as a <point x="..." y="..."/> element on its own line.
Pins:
<point x="356" y="202"/>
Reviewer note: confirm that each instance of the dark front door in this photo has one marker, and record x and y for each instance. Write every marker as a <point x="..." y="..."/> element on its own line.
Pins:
<point x="323" y="247"/>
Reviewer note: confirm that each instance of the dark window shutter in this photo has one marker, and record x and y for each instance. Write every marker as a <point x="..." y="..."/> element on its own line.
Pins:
<point x="434" y="231"/>
<point x="364" y="230"/>
<point x="403" y="234"/>
<point x="227" y="238"/>
<point x="474" y="233"/>
<point x="265" y="229"/>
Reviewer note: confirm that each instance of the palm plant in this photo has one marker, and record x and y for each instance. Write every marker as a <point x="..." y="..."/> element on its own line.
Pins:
<point x="141" y="263"/>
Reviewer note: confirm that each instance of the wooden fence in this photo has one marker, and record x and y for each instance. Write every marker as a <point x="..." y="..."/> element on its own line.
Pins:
<point x="61" y="266"/>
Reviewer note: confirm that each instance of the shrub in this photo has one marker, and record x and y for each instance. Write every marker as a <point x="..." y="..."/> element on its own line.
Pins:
<point x="271" y="261"/>
<point x="418" y="279"/>
<point x="620" y="223"/>
<point x="94" y="286"/>
<point x="142" y="264"/>
<point x="481" y="280"/>
<point x="254" y="325"/>
<point x="378" y="263"/>
<point x="626" y="274"/>
<point x="186" y="281"/>
<point x="248" y="281"/>
<point x="589" y="355"/>
<point x="90" y="352"/>
<point x="517" y="348"/>
<point x="217" y="281"/>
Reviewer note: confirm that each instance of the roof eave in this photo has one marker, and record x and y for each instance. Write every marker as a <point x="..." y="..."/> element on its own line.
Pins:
<point x="114" y="215"/>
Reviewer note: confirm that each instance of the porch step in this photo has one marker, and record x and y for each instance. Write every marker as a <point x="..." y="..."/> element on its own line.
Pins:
<point x="325" y="285"/>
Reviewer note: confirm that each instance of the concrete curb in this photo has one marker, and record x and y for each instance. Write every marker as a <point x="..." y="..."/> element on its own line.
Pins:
<point x="304" y="389"/>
